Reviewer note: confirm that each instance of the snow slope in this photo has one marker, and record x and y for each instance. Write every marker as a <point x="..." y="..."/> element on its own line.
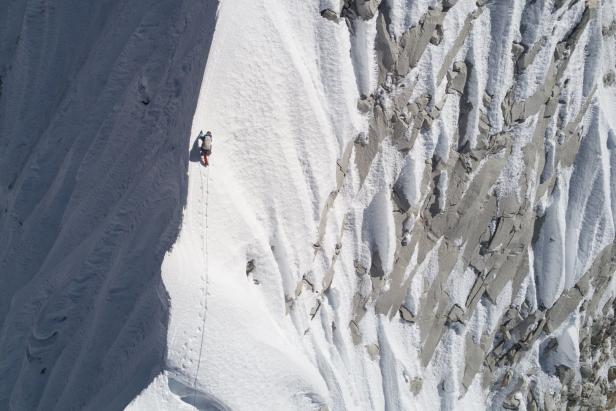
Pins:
<point x="271" y="304"/>
<point x="276" y="143"/>
<point x="409" y="205"/>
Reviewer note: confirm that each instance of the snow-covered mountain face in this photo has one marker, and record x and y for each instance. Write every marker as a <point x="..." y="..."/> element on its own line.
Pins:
<point x="410" y="205"/>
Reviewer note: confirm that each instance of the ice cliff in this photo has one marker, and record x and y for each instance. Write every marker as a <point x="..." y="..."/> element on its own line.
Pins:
<point x="410" y="205"/>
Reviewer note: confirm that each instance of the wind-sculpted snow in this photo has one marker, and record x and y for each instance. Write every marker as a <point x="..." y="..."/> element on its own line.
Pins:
<point x="410" y="206"/>
<point x="514" y="211"/>
<point x="95" y="109"/>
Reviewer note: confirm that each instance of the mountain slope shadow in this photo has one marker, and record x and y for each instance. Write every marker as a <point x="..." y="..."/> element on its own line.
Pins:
<point x="95" y="112"/>
<point x="195" y="155"/>
<point x="196" y="398"/>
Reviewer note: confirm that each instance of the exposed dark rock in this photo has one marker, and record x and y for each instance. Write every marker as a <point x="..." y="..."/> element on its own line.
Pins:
<point x="250" y="266"/>
<point x="362" y="139"/>
<point x="415" y="385"/>
<point x="609" y="79"/>
<point x="329" y="15"/>
<point x="611" y="374"/>
<point x="564" y="374"/>
<point x="406" y="314"/>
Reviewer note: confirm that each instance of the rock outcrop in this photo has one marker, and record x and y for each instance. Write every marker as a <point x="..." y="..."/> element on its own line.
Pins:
<point x="511" y="202"/>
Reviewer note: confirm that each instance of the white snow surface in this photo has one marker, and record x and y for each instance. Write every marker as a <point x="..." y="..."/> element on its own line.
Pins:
<point x="279" y="94"/>
<point x="280" y="97"/>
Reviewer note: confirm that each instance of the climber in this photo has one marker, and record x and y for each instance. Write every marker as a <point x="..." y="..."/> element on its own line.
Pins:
<point x="205" y="146"/>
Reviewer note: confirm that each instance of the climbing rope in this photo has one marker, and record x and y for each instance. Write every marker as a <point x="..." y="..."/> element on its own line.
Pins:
<point x="205" y="265"/>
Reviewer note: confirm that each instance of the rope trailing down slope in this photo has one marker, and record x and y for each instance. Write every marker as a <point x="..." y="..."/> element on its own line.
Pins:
<point x="205" y="278"/>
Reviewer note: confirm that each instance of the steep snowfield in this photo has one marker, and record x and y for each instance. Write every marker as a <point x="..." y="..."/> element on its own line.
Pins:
<point x="280" y="98"/>
<point x="272" y="306"/>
